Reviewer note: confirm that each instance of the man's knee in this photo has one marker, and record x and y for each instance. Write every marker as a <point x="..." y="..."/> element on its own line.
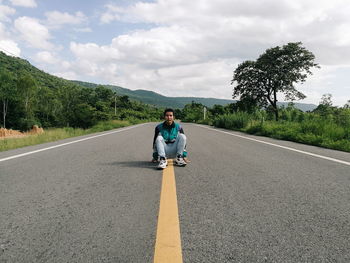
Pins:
<point x="159" y="139"/>
<point x="182" y="137"/>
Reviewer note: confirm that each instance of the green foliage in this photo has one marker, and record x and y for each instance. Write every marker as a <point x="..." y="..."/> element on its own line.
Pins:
<point x="309" y="128"/>
<point x="178" y="114"/>
<point x="327" y="128"/>
<point x="8" y="92"/>
<point x="27" y="90"/>
<point x="193" y="112"/>
<point x="25" y="124"/>
<point x="29" y="97"/>
<point x="217" y="110"/>
<point x="84" y="116"/>
<point x="275" y="71"/>
<point x="246" y="104"/>
<point x="235" y="121"/>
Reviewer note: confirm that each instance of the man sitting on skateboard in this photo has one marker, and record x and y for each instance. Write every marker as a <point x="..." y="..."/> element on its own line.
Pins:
<point x="169" y="141"/>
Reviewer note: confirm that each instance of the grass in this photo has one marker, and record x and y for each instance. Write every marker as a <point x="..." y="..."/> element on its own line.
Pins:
<point x="318" y="132"/>
<point x="55" y="134"/>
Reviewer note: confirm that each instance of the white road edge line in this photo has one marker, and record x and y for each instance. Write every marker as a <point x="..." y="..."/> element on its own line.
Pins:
<point x="280" y="146"/>
<point x="67" y="143"/>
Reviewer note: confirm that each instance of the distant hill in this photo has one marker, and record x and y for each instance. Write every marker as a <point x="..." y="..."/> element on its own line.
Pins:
<point x="300" y="106"/>
<point x="156" y="99"/>
<point x="17" y="65"/>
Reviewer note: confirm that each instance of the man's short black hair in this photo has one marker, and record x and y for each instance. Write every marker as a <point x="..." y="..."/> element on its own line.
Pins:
<point x="168" y="110"/>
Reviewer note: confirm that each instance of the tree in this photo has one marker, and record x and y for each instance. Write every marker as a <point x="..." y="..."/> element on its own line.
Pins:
<point x="217" y="110"/>
<point x="84" y="116"/>
<point x="104" y="94"/>
<point x="7" y="91"/>
<point x="69" y="99"/>
<point x="275" y="71"/>
<point x="124" y="102"/>
<point x="27" y="88"/>
<point x="245" y="104"/>
<point x="326" y="100"/>
<point x="347" y="105"/>
<point x="178" y="114"/>
<point x="325" y="107"/>
<point x="193" y="112"/>
<point x="48" y="106"/>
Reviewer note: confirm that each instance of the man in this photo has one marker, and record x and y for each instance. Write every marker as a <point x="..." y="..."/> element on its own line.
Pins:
<point x="169" y="141"/>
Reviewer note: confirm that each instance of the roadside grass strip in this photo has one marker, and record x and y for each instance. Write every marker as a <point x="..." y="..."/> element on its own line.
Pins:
<point x="168" y="241"/>
<point x="280" y="146"/>
<point x="68" y="143"/>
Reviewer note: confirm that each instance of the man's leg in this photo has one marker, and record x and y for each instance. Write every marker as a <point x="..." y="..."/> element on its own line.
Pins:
<point x="181" y="144"/>
<point x="160" y="145"/>
<point x="180" y="147"/>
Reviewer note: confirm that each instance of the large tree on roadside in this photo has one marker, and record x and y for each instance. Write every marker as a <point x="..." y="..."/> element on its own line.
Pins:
<point x="275" y="71"/>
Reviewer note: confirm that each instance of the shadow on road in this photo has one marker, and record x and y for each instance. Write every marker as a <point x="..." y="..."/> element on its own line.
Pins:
<point x="140" y="164"/>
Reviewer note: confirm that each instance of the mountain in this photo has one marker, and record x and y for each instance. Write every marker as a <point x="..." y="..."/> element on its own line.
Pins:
<point x="156" y="99"/>
<point x="17" y="65"/>
<point x="300" y="106"/>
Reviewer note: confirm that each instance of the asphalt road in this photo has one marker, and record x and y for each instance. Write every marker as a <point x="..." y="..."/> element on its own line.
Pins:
<point x="239" y="200"/>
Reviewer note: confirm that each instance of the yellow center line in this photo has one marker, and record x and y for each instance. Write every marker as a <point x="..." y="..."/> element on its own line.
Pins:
<point x="168" y="242"/>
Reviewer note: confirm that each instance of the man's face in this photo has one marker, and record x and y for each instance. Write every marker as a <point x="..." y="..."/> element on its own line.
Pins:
<point x="169" y="117"/>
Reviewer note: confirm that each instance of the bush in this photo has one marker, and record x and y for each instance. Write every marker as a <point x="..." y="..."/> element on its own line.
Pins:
<point x="84" y="116"/>
<point x="233" y="121"/>
<point x="27" y="124"/>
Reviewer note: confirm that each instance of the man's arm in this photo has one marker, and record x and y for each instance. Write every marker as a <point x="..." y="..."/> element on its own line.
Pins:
<point x="181" y="130"/>
<point x="156" y="132"/>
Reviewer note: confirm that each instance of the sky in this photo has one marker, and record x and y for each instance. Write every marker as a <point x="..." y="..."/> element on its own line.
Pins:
<point x="177" y="47"/>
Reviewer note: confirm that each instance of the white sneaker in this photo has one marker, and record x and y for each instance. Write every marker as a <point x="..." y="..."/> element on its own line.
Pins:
<point x="162" y="163"/>
<point x="180" y="161"/>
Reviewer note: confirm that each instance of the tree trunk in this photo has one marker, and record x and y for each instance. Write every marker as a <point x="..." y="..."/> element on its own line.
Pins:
<point x="276" y="113"/>
<point x="4" y="104"/>
<point x="3" y="114"/>
<point x="26" y="102"/>
<point x="115" y="106"/>
<point x="275" y="104"/>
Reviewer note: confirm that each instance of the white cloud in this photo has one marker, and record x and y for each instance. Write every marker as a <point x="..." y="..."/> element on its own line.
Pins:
<point x="138" y="62"/>
<point x="5" y="12"/>
<point x="10" y="47"/>
<point x="7" y="45"/>
<point x="330" y="79"/>
<point x="46" y="57"/>
<point x="158" y="47"/>
<point x="24" y="3"/>
<point x="191" y="35"/>
<point x="190" y="48"/>
<point x="94" y="52"/>
<point x="113" y="13"/>
<point x="66" y="75"/>
<point x="33" y="32"/>
<point x="233" y="26"/>
<point x="57" y="19"/>
<point x="3" y="32"/>
<point x="209" y="79"/>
